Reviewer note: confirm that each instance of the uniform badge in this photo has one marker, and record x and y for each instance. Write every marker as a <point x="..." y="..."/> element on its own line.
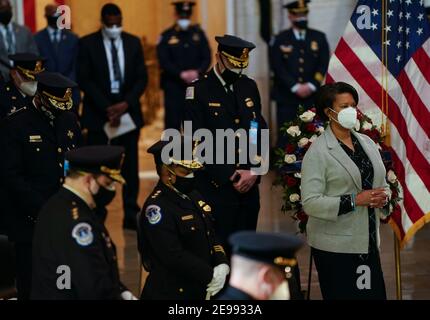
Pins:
<point x="249" y="102"/>
<point x="70" y="134"/>
<point x="314" y="46"/>
<point x="196" y="37"/>
<point x="214" y="104"/>
<point x="83" y="234"/>
<point x="186" y="218"/>
<point x="153" y="214"/>
<point x="190" y="93"/>
<point x="173" y="40"/>
<point x="205" y="206"/>
<point x="34" y="139"/>
<point x="286" y="49"/>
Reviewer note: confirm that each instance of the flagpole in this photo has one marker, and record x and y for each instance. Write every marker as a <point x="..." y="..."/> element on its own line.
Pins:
<point x="398" y="268"/>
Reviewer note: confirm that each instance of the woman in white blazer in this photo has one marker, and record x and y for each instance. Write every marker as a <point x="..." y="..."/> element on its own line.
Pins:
<point x="343" y="192"/>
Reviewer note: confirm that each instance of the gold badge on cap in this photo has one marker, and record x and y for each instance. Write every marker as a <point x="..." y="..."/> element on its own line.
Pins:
<point x="314" y="46"/>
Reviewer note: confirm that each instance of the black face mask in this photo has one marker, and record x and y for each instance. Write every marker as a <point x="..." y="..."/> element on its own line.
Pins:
<point x="302" y="24"/>
<point x="5" y="17"/>
<point x="104" y="197"/>
<point x="52" y="21"/>
<point x="184" y="185"/>
<point x="229" y="76"/>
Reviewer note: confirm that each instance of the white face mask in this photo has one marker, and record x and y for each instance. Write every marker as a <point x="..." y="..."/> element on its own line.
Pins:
<point x="282" y="292"/>
<point x="113" y="32"/>
<point x="347" y="118"/>
<point x="29" y="88"/>
<point x="184" y="23"/>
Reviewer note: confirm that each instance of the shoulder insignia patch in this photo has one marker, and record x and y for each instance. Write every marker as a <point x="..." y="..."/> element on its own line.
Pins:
<point x="190" y="93"/>
<point x="83" y="234"/>
<point x="153" y="214"/>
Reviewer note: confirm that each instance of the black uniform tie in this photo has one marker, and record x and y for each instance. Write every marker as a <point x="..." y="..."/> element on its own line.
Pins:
<point x="115" y="62"/>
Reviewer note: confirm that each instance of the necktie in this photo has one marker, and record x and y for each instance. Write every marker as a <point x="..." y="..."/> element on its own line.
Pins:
<point x="9" y="40"/>
<point x="115" y="62"/>
<point x="56" y="40"/>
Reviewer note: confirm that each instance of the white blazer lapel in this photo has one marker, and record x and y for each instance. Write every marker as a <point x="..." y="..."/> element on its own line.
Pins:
<point x="344" y="160"/>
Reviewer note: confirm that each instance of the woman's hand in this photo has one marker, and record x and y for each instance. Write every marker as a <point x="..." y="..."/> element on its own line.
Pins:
<point x="376" y="198"/>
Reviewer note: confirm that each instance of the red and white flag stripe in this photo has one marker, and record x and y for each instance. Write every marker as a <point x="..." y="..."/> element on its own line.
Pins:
<point x="408" y="114"/>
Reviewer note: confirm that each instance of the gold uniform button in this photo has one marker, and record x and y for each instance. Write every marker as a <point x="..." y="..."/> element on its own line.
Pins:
<point x="216" y="113"/>
<point x="238" y="165"/>
<point x="301" y="60"/>
<point x="237" y="121"/>
<point x="61" y="165"/>
<point x="302" y="51"/>
<point x="192" y="228"/>
<point x="208" y="233"/>
<point x="61" y="180"/>
<point x="60" y="150"/>
<point x="301" y="70"/>
<point x="37" y="149"/>
<point x="300" y="80"/>
<point x="181" y="290"/>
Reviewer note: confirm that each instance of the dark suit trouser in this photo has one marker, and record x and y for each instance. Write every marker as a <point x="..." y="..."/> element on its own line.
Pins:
<point x="23" y="256"/>
<point x="174" y="106"/>
<point x="240" y="215"/>
<point x="337" y="274"/>
<point x="130" y="170"/>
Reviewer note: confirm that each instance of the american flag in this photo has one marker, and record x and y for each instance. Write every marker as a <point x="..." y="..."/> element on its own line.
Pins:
<point x="394" y="34"/>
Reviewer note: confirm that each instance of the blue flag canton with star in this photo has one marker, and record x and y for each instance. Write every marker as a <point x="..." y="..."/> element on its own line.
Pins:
<point x="407" y="29"/>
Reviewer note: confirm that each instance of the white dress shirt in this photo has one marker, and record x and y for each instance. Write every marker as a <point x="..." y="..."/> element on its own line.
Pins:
<point x="221" y="79"/>
<point x="54" y="34"/>
<point x="3" y="29"/>
<point x="121" y="58"/>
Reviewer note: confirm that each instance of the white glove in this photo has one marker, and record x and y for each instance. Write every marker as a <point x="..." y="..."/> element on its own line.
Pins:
<point x="127" y="295"/>
<point x="218" y="281"/>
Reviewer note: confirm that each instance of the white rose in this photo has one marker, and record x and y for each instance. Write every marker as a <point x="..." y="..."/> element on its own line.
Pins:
<point x="357" y="126"/>
<point x="320" y="130"/>
<point x="294" y="198"/>
<point x="298" y="175"/>
<point x="294" y="131"/>
<point x="308" y="116"/>
<point x="303" y="142"/>
<point x="313" y="138"/>
<point x="366" y="126"/>
<point x="391" y="176"/>
<point x="290" y="158"/>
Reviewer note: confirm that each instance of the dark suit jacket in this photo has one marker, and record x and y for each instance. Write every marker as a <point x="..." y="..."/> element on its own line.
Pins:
<point x="94" y="80"/>
<point x="208" y="106"/>
<point x="93" y="265"/>
<point x="63" y="61"/>
<point x="295" y="61"/>
<point x="31" y="166"/>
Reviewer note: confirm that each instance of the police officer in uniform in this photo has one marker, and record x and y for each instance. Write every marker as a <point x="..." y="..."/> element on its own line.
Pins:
<point x="261" y="266"/>
<point x="184" y="55"/>
<point x="177" y="242"/>
<point x="19" y="91"/>
<point x="68" y="233"/>
<point x="33" y="142"/>
<point x="225" y="98"/>
<point x="300" y="58"/>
